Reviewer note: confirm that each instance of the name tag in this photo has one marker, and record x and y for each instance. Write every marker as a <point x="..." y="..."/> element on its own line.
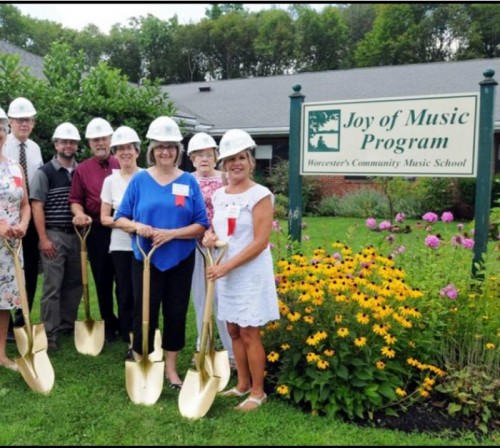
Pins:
<point x="180" y="190"/>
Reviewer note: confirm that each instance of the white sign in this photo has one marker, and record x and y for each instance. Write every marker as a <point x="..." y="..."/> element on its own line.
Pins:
<point x="415" y="136"/>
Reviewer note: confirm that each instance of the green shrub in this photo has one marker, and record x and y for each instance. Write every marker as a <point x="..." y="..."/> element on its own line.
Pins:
<point x="473" y="393"/>
<point x="438" y="193"/>
<point x="277" y="180"/>
<point x="348" y="340"/>
<point x="378" y="329"/>
<point x="280" y="206"/>
<point x="362" y="203"/>
<point x="328" y="206"/>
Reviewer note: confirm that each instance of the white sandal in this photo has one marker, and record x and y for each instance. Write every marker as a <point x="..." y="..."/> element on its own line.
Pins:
<point x="257" y="401"/>
<point x="234" y="392"/>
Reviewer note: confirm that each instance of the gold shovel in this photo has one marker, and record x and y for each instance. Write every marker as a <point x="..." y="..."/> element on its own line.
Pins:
<point x="144" y="378"/>
<point x="201" y="386"/>
<point x="216" y="362"/>
<point x="34" y="363"/>
<point x="89" y="334"/>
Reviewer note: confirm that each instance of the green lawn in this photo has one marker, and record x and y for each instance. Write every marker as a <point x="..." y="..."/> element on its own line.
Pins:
<point x="89" y="404"/>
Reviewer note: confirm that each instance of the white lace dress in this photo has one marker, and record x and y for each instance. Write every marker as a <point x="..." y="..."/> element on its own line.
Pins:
<point x="11" y="193"/>
<point x="247" y="295"/>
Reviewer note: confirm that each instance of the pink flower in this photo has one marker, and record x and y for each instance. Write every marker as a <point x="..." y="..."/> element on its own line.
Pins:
<point x="400" y="249"/>
<point x="400" y="217"/>
<point x="276" y="226"/>
<point x="447" y="217"/>
<point x="432" y="241"/>
<point x="384" y="225"/>
<point x="371" y="223"/>
<point x="390" y="238"/>
<point x="468" y="243"/>
<point x="456" y="240"/>
<point x="449" y="291"/>
<point x="460" y="227"/>
<point x="430" y="217"/>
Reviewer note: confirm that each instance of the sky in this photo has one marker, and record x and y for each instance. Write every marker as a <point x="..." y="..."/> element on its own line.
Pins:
<point x="105" y="14"/>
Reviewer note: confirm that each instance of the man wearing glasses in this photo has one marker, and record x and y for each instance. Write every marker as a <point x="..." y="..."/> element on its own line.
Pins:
<point x="26" y="152"/>
<point x="59" y="245"/>
<point x="85" y="200"/>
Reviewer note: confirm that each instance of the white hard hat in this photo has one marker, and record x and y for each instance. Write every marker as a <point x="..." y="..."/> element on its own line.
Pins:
<point x="98" y="127"/>
<point x="21" y="108"/>
<point x="233" y="142"/>
<point x="164" y="129"/>
<point x="124" y="135"/>
<point x="3" y="115"/>
<point x="201" y="140"/>
<point x="66" y="131"/>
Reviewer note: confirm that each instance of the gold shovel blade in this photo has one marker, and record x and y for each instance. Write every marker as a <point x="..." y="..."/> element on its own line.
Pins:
<point x="89" y="337"/>
<point x="217" y="364"/>
<point x="37" y="371"/>
<point x="157" y="354"/>
<point x="23" y="340"/>
<point x="144" y="381"/>
<point x="196" y="396"/>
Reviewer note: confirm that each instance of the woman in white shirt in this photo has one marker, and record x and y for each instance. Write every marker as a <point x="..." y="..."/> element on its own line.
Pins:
<point x="125" y="146"/>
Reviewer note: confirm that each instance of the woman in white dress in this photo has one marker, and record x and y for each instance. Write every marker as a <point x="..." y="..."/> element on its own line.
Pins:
<point x="243" y="216"/>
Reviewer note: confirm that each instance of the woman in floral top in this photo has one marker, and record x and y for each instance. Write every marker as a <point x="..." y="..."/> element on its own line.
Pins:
<point x="202" y="151"/>
<point x="14" y="219"/>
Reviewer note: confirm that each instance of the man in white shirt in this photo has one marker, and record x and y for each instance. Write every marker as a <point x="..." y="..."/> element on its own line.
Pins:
<point x="22" y="121"/>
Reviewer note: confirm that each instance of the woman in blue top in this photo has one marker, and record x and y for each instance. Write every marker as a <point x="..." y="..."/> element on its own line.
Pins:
<point x="165" y="207"/>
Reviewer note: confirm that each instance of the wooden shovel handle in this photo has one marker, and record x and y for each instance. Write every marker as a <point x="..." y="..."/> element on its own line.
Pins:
<point x="146" y="281"/>
<point x="21" y="285"/>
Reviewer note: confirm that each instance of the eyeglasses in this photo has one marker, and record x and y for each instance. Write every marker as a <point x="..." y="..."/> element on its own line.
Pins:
<point x="67" y="142"/>
<point x="23" y="120"/>
<point x="208" y="155"/>
<point x="161" y="148"/>
<point x="125" y="148"/>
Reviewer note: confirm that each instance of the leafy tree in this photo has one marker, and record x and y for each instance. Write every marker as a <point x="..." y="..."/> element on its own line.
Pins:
<point x="274" y="43"/>
<point x="155" y="40"/>
<point x="321" y="39"/>
<point x="483" y="31"/>
<point x="411" y="33"/>
<point x="358" y="18"/>
<point x="15" y="80"/>
<point x="230" y="49"/>
<point x="190" y="63"/>
<point x="13" y="25"/>
<point x="93" y="43"/>
<point x="219" y="9"/>
<point x="71" y="94"/>
<point x="124" y="52"/>
<point x="42" y="33"/>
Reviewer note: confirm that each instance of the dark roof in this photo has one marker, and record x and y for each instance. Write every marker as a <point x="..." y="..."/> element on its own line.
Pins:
<point x="262" y="105"/>
<point x="33" y="62"/>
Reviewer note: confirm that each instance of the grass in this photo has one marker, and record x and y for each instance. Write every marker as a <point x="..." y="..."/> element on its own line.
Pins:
<point x="89" y="404"/>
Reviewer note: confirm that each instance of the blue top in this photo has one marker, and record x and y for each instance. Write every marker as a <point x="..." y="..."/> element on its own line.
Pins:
<point x="148" y="202"/>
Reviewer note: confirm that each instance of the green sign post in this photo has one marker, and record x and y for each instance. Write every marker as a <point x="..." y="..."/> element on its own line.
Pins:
<point x="484" y="169"/>
<point x="294" y="178"/>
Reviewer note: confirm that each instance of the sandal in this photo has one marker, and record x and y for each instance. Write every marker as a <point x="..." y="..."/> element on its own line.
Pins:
<point x="175" y="386"/>
<point x="11" y="366"/>
<point x="251" y="403"/>
<point x="234" y="392"/>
